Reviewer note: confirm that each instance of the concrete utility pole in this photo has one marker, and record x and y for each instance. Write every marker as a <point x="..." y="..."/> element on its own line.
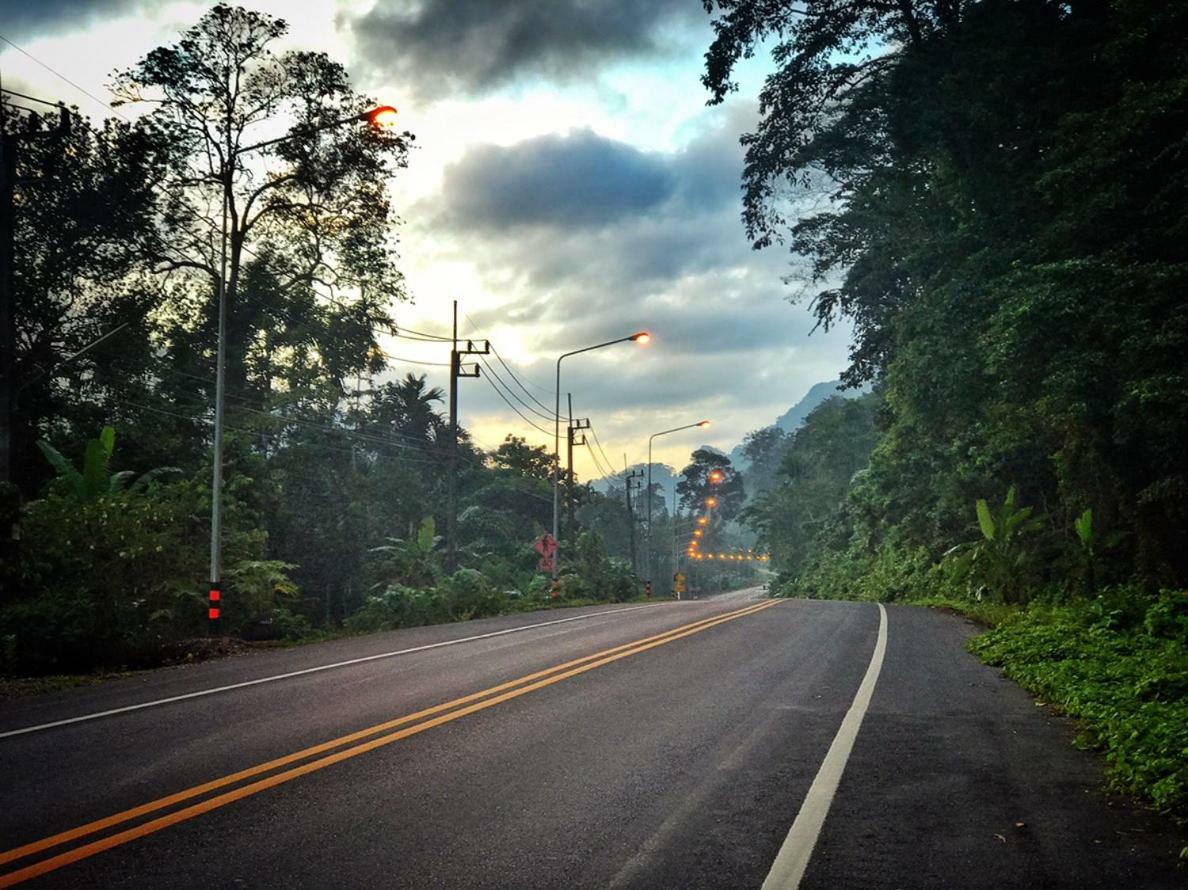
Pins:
<point x="7" y="307"/>
<point x="631" y="481"/>
<point x="452" y="482"/>
<point x="652" y="438"/>
<point x="571" y="440"/>
<point x="641" y="337"/>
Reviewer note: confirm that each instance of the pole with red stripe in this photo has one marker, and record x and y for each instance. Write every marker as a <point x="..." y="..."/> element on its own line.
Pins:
<point x="213" y="613"/>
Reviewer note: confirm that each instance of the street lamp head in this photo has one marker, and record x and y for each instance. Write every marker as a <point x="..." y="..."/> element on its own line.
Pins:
<point x="703" y="423"/>
<point x="641" y="338"/>
<point x="716" y="476"/>
<point x="382" y="117"/>
<point x="711" y="502"/>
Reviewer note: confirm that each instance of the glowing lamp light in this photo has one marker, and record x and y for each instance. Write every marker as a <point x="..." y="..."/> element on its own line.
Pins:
<point x="382" y="118"/>
<point x="716" y="476"/>
<point x="701" y="520"/>
<point x="642" y="338"/>
<point x="711" y="502"/>
<point x="703" y="423"/>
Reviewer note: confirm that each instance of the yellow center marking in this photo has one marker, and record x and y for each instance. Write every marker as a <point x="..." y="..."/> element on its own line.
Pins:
<point x="534" y="681"/>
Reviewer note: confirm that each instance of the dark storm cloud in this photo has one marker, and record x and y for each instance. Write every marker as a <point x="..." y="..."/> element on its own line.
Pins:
<point x="32" y="18"/>
<point x="580" y="179"/>
<point x="448" y="46"/>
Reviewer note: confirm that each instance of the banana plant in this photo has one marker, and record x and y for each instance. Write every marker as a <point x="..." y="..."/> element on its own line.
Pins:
<point x="999" y="560"/>
<point x="96" y="479"/>
<point x="410" y="561"/>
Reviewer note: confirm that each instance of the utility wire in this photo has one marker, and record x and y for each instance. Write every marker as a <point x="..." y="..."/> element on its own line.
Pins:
<point x="26" y="96"/>
<point x="510" y="404"/>
<point x="549" y="417"/>
<point x="62" y="76"/>
<point x="513" y="376"/>
<point x="609" y="472"/>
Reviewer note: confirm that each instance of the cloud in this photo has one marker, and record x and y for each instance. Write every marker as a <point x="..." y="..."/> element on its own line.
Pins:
<point x="561" y="275"/>
<point x="580" y="179"/>
<point x="24" y="19"/>
<point x="469" y="46"/>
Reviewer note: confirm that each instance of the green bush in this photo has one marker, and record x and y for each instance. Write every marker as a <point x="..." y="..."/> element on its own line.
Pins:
<point x="1119" y="663"/>
<point x="591" y="574"/>
<point x="470" y="594"/>
<point x="397" y="606"/>
<point x="461" y="596"/>
<point x="113" y="579"/>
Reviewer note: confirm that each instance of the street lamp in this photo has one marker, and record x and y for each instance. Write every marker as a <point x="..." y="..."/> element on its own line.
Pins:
<point x="640" y="337"/>
<point x="381" y="117"/>
<point x="651" y="439"/>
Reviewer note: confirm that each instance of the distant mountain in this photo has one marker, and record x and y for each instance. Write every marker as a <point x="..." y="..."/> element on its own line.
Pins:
<point x="791" y="420"/>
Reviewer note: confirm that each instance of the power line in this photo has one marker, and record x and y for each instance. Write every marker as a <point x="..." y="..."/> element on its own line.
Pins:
<point x="62" y="76"/>
<point x="549" y="417"/>
<point x="609" y="472"/>
<point x="29" y="98"/>
<point x="509" y="404"/>
<point x="518" y="381"/>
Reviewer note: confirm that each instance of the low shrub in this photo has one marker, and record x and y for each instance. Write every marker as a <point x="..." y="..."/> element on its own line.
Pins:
<point x="1118" y="663"/>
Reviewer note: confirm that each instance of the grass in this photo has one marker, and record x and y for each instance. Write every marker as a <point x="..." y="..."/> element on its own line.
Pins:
<point x="985" y="613"/>
<point x="20" y="687"/>
<point x="1119" y="665"/>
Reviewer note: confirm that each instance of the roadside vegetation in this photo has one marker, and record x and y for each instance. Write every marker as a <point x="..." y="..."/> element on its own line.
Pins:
<point x="995" y="196"/>
<point x="337" y="459"/>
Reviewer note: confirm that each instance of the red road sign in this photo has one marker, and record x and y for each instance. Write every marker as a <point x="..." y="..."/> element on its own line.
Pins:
<point x="546" y="546"/>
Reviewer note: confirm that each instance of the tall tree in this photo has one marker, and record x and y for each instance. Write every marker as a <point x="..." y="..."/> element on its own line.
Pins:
<point x="710" y="473"/>
<point x="82" y="206"/>
<point x="279" y="145"/>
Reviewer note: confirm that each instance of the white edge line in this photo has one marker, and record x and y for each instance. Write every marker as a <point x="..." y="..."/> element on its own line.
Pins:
<point x="312" y="670"/>
<point x="793" y="858"/>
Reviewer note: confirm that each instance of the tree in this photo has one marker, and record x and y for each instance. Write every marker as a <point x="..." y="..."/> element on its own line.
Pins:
<point x="793" y="518"/>
<point x="726" y="485"/>
<point x="1007" y="243"/>
<point x="307" y="209"/>
<point x="82" y="210"/>
<point x="763" y="449"/>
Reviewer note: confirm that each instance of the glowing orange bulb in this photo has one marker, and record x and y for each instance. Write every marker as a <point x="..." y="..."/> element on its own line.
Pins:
<point x="703" y="423"/>
<point x="383" y="117"/>
<point x="711" y="502"/>
<point x="642" y="337"/>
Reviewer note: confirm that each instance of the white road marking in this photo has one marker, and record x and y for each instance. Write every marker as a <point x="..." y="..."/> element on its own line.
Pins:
<point x="312" y="670"/>
<point x="793" y="858"/>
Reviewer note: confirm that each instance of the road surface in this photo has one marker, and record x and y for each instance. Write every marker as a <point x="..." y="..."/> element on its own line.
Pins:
<point x="668" y="745"/>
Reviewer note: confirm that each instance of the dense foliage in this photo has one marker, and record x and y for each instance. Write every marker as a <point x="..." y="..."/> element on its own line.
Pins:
<point x="994" y="193"/>
<point x="1120" y="665"/>
<point x="336" y="464"/>
<point x="1008" y="204"/>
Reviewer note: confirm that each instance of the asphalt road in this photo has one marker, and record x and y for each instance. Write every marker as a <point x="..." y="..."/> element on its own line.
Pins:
<point x="669" y="745"/>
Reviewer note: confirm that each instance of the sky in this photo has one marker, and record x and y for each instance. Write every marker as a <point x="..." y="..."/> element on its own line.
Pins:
<point x="569" y="185"/>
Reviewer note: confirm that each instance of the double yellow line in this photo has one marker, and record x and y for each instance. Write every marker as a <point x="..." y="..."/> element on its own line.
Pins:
<point x="411" y="724"/>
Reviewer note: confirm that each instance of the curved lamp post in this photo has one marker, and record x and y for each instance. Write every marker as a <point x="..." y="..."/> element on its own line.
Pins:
<point x="381" y="118"/>
<point x="652" y="438"/>
<point x="640" y="337"/>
